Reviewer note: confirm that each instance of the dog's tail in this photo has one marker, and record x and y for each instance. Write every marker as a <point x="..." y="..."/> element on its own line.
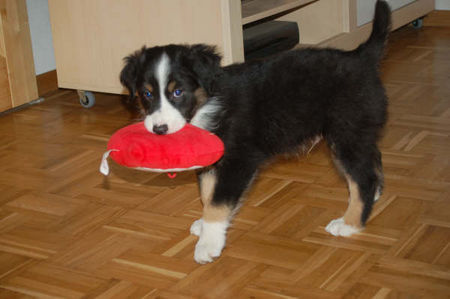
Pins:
<point x="374" y="46"/>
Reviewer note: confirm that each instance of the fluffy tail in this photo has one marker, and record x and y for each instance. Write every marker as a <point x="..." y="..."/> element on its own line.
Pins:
<point x="374" y="46"/>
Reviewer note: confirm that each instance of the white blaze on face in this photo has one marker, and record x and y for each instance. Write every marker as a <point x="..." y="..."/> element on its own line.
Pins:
<point x="166" y="113"/>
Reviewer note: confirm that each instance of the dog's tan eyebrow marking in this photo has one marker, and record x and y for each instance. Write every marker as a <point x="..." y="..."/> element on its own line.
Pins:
<point x="171" y="86"/>
<point x="149" y="87"/>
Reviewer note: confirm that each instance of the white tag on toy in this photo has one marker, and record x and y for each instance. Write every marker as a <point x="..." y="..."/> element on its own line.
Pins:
<point x="104" y="167"/>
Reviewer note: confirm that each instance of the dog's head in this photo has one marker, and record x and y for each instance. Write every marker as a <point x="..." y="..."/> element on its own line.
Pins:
<point x="171" y="83"/>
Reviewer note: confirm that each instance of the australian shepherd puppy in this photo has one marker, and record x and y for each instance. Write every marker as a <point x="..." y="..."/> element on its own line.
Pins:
<point x="265" y="108"/>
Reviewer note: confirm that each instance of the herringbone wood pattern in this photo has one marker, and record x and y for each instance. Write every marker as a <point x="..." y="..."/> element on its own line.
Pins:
<point x="66" y="231"/>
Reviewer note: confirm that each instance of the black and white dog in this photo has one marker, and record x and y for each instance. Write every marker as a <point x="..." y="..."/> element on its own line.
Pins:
<point x="264" y="108"/>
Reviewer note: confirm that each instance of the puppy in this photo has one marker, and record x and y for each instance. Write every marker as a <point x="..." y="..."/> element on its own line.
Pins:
<point x="265" y="108"/>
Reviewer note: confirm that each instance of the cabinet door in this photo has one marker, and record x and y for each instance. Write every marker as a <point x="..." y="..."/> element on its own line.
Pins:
<point x="91" y="38"/>
<point x="5" y="94"/>
<point x="17" y="76"/>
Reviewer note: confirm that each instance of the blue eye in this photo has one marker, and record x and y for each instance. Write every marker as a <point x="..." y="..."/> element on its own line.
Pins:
<point x="148" y="94"/>
<point x="177" y="93"/>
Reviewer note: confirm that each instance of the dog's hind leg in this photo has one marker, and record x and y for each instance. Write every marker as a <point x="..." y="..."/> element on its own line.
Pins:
<point x="361" y="166"/>
<point x="221" y="189"/>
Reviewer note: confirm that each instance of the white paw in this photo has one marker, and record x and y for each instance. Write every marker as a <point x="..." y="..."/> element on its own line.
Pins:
<point x="196" y="227"/>
<point x="337" y="227"/>
<point x="205" y="252"/>
<point x="211" y="242"/>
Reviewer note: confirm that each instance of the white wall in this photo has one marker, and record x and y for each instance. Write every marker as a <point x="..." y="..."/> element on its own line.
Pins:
<point x="365" y="9"/>
<point x="41" y="36"/>
<point x="443" y="4"/>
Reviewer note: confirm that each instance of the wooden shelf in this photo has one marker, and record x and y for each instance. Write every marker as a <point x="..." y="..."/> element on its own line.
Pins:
<point x="254" y="10"/>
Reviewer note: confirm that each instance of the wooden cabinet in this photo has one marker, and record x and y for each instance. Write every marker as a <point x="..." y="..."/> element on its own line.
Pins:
<point x="91" y="37"/>
<point x="350" y="35"/>
<point x="17" y="76"/>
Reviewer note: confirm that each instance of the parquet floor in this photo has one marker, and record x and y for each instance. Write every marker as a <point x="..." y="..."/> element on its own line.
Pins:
<point x="66" y="231"/>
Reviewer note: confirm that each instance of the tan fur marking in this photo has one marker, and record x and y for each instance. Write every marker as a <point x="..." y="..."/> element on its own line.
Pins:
<point x="355" y="208"/>
<point x="216" y="214"/>
<point x="171" y="86"/>
<point x="211" y="213"/>
<point x="149" y="87"/>
<point x="207" y="184"/>
<point x="201" y="96"/>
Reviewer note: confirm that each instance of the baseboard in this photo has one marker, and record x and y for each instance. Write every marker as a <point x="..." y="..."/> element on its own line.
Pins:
<point x="47" y="82"/>
<point x="21" y="107"/>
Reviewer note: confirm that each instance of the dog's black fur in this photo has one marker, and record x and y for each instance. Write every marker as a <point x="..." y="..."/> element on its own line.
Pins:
<point x="269" y="107"/>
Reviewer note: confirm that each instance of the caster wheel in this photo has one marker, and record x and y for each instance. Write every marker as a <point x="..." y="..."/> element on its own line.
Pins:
<point x="87" y="99"/>
<point x="418" y="23"/>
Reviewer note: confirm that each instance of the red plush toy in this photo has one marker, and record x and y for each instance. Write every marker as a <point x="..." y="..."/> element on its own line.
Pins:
<point x="189" y="148"/>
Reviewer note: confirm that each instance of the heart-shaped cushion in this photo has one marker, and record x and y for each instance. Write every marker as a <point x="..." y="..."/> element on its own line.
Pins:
<point x="189" y="148"/>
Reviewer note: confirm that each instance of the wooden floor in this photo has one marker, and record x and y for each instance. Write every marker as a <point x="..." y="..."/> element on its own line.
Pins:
<point x="66" y="231"/>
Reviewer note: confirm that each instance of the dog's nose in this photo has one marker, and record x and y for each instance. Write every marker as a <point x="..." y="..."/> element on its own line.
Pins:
<point x="161" y="129"/>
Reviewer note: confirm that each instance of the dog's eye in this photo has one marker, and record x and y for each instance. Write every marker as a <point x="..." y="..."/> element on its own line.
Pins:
<point x="148" y="94"/>
<point x="177" y="93"/>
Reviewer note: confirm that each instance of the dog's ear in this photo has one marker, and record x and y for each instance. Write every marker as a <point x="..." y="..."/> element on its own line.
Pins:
<point x="205" y="63"/>
<point x="129" y="74"/>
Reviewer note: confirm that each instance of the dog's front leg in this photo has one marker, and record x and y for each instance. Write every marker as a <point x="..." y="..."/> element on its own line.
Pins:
<point x="220" y="189"/>
<point x="212" y="227"/>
